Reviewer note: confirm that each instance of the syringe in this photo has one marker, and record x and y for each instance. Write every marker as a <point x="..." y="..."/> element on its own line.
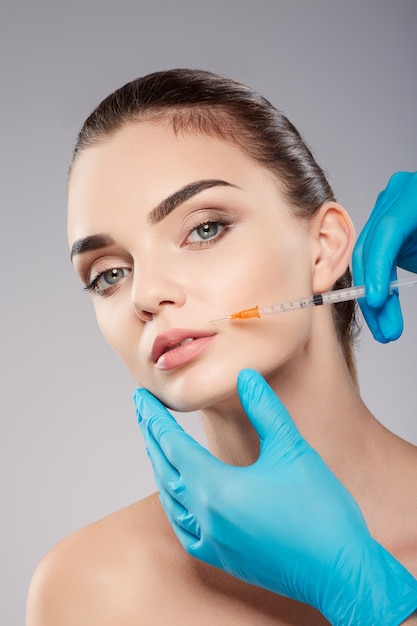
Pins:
<point x="327" y="297"/>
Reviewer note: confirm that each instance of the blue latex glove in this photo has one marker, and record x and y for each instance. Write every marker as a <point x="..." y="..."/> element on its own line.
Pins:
<point x="285" y="523"/>
<point x="388" y="240"/>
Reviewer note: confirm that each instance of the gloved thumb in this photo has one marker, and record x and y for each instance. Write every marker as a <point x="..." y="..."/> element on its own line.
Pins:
<point x="266" y="412"/>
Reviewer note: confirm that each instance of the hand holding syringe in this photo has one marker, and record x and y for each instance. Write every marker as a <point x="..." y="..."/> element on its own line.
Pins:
<point x="328" y="297"/>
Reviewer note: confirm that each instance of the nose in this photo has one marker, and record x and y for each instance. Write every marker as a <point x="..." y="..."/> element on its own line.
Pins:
<point x="153" y="290"/>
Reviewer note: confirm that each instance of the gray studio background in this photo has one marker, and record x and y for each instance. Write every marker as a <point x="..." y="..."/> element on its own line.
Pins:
<point x="344" y="72"/>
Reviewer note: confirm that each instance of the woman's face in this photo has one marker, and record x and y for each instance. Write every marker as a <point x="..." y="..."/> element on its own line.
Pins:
<point x="173" y="231"/>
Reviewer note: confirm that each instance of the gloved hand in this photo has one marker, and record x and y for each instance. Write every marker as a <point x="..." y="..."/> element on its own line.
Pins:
<point x="285" y="523"/>
<point x="388" y="240"/>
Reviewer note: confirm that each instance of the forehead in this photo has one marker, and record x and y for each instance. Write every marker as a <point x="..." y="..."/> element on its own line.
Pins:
<point x="143" y="163"/>
<point x="153" y="144"/>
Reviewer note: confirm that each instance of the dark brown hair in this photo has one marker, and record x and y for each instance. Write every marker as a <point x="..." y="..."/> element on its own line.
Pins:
<point x="203" y="102"/>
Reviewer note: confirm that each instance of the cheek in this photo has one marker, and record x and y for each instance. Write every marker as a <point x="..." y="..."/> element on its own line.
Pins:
<point x="288" y="259"/>
<point x="280" y="271"/>
<point x="120" y="333"/>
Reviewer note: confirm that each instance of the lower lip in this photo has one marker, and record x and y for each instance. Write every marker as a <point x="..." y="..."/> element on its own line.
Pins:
<point x="183" y="354"/>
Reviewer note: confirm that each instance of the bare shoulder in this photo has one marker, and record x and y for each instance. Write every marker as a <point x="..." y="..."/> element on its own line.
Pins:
<point x="129" y="569"/>
<point x="103" y="573"/>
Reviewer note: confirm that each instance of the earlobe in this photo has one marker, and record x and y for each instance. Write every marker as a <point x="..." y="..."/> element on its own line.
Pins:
<point x="334" y="237"/>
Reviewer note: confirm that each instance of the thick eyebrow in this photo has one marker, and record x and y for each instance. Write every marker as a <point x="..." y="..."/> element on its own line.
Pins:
<point x="165" y="207"/>
<point x="92" y="242"/>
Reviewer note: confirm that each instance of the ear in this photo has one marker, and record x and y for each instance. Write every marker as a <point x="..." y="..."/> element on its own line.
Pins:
<point x="334" y="237"/>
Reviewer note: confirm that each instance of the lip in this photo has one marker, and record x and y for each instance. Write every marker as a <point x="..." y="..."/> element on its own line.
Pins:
<point x="168" y="353"/>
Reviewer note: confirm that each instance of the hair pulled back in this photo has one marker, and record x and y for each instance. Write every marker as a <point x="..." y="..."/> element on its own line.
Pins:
<point x="202" y="102"/>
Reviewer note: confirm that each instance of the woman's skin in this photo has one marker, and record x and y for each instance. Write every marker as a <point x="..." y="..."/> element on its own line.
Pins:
<point x="228" y="244"/>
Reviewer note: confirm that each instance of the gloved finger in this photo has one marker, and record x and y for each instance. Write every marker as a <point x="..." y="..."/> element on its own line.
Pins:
<point x="266" y="412"/>
<point x="407" y="258"/>
<point x="188" y="541"/>
<point x="376" y="255"/>
<point x="187" y="529"/>
<point x="158" y="422"/>
<point x="379" y="243"/>
<point x="383" y="203"/>
<point x="380" y="259"/>
<point x="180" y="516"/>
<point x="385" y="322"/>
<point x="167" y="477"/>
<point x="390" y="320"/>
<point x="181" y="451"/>
<point x="182" y="521"/>
<point x="167" y="481"/>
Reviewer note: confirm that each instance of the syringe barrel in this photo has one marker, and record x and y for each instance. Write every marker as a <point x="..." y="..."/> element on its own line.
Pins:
<point x="343" y="295"/>
<point x="284" y="307"/>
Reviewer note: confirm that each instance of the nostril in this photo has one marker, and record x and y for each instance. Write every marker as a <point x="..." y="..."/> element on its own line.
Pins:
<point x="165" y="302"/>
<point x="145" y="316"/>
<point x="147" y="306"/>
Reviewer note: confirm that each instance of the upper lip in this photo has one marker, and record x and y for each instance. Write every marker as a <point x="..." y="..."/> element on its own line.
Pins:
<point x="174" y="337"/>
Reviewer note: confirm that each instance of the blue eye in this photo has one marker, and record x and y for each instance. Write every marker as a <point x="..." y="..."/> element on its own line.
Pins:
<point x="105" y="280"/>
<point x="111" y="277"/>
<point x="205" y="231"/>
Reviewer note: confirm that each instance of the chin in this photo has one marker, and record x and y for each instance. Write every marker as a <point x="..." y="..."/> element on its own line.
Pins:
<point x="200" y="388"/>
<point x="187" y="403"/>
